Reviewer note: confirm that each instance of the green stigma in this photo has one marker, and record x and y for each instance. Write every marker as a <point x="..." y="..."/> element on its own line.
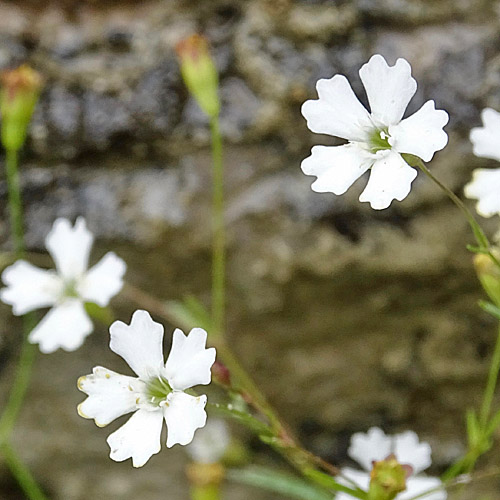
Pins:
<point x="380" y="140"/>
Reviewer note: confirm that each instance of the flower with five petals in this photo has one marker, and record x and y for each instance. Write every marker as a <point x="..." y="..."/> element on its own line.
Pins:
<point x="65" y="290"/>
<point x="375" y="445"/>
<point x="157" y="393"/>
<point x="377" y="138"/>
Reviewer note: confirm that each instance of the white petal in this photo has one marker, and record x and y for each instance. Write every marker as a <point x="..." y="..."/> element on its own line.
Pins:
<point x="417" y="485"/>
<point x="140" y="344"/>
<point x="365" y="448"/>
<point x="70" y="247"/>
<point x="409" y="450"/>
<point x="103" y="281"/>
<point x="189" y="363"/>
<point x="390" y="179"/>
<point x="65" y="326"/>
<point x="360" y="478"/>
<point x="210" y="443"/>
<point x="389" y="89"/>
<point x="421" y="134"/>
<point x="183" y="415"/>
<point x="29" y="287"/>
<point x="485" y="139"/>
<point x="338" y="111"/>
<point x="485" y="187"/>
<point x="110" y="395"/>
<point x="336" y="167"/>
<point x="138" y="439"/>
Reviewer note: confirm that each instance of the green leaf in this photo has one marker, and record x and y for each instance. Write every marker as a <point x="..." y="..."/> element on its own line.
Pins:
<point x="279" y="482"/>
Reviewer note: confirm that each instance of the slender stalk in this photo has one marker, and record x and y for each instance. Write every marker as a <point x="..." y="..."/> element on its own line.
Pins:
<point x="24" y="368"/>
<point x="15" y="204"/>
<point x="20" y="383"/>
<point x="491" y="384"/>
<point x="22" y="473"/>
<point x="219" y="237"/>
<point x="479" y="234"/>
<point x="205" y="492"/>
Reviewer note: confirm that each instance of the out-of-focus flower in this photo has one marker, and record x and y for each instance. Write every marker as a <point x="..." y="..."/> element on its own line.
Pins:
<point x="156" y="393"/>
<point x="19" y="93"/>
<point x="407" y="450"/>
<point x="485" y="184"/>
<point x="65" y="290"/>
<point x="199" y="73"/>
<point x="210" y="443"/>
<point x="376" y="139"/>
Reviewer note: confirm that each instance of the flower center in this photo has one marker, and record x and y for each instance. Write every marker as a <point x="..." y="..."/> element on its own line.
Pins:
<point x="157" y="390"/>
<point x="69" y="290"/>
<point x="379" y="141"/>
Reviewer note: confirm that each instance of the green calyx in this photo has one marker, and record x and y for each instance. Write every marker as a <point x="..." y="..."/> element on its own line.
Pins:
<point x="158" y="389"/>
<point x="379" y="140"/>
<point x="387" y="479"/>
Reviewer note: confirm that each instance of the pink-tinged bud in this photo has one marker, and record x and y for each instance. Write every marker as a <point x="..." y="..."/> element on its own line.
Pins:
<point x="221" y="374"/>
<point x="199" y="73"/>
<point x="489" y="276"/>
<point x="388" y="478"/>
<point x="19" y="93"/>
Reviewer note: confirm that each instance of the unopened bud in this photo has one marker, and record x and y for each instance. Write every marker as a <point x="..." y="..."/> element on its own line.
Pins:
<point x="19" y="93"/>
<point x="489" y="276"/>
<point x="387" y="479"/>
<point x="199" y="73"/>
<point x="221" y="374"/>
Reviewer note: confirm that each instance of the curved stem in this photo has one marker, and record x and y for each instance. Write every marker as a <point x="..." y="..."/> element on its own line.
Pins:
<point x="22" y="474"/>
<point x="491" y="384"/>
<point x="479" y="234"/>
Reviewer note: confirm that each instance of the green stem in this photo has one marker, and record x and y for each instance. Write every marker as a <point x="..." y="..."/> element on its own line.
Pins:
<point x="24" y="368"/>
<point x="491" y="384"/>
<point x="15" y="204"/>
<point x="219" y="237"/>
<point x="479" y="234"/>
<point x="20" y="384"/>
<point x="22" y="474"/>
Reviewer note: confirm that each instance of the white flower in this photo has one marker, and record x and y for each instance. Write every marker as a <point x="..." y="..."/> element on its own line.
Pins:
<point x="485" y="184"/>
<point x="66" y="289"/>
<point x="157" y="392"/>
<point x="375" y="445"/>
<point x="210" y="443"/>
<point x="376" y="139"/>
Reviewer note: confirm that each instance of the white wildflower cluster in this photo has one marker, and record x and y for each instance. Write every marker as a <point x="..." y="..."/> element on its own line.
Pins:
<point x="381" y="141"/>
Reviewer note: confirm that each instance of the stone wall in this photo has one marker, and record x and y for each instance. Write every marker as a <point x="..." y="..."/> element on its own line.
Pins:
<point x="346" y="316"/>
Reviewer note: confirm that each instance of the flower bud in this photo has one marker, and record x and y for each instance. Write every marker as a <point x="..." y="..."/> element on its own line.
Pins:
<point x="221" y="374"/>
<point x="387" y="479"/>
<point x="19" y="93"/>
<point x="489" y="276"/>
<point x="199" y="73"/>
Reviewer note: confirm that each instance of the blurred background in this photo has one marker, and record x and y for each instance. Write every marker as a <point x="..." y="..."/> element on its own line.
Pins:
<point x="347" y="317"/>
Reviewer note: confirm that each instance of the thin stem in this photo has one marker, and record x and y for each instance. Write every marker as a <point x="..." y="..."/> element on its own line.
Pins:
<point x="491" y="384"/>
<point x="205" y="492"/>
<point x="20" y="383"/>
<point x="24" y="368"/>
<point x="15" y="204"/>
<point x="22" y="474"/>
<point x="219" y="238"/>
<point x="479" y="234"/>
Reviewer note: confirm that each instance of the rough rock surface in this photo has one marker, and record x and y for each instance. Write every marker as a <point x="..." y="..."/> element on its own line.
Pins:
<point x="347" y="317"/>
